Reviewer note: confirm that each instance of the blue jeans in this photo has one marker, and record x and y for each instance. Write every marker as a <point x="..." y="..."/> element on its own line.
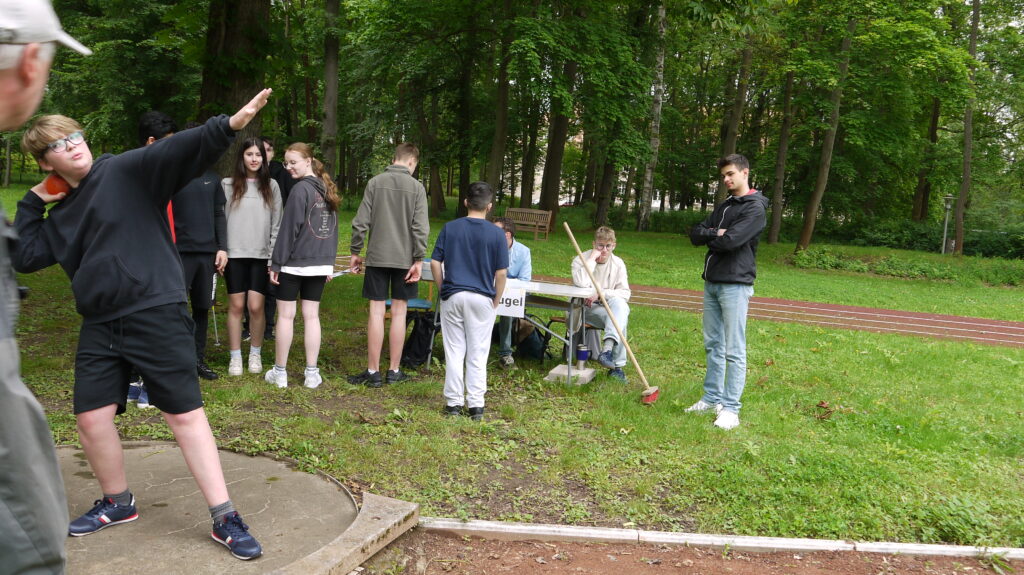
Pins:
<point x="597" y="316"/>
<point x="725" y="341"/>
<point x="505" y="324"/>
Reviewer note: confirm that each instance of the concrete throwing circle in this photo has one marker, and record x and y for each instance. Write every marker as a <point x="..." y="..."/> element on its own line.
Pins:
<point x="291" y="513"/>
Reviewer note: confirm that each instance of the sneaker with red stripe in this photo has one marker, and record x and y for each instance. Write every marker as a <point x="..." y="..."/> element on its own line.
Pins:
<point x="103" y="514"/>
<point x="232" y="533"/>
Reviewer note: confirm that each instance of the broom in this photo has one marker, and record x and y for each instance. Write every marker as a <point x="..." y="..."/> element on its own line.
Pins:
<point x="649" y="394"/>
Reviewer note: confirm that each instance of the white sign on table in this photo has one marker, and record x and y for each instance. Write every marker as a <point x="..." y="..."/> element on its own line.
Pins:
<point x="512" y="302"/>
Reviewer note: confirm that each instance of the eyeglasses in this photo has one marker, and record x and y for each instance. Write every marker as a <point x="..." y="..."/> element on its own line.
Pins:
<point x="602" y="247"/>
<point x="60" y="145"/>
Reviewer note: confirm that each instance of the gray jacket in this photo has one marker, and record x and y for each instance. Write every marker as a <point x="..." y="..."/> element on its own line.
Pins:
<point x="394" y="212"/>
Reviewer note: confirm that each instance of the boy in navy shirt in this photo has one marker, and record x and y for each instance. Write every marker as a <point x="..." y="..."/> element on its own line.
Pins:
<point x="469" y="264"/>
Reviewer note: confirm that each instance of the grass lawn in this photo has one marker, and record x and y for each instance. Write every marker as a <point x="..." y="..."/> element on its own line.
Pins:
<point x="849" y="435"/>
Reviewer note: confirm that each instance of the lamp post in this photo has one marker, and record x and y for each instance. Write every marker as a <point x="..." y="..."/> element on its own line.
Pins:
<point x="947" y="201"/>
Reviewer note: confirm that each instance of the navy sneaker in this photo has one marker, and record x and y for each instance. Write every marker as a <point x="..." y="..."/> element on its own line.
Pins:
<point x="605" y="359"/>
<point x="617" y="373"/>
<point x="396" y="376"/>
<point x="133" y="392"/>
<point x="104" y="514"/>
<point x="366" y="378"/>
<point x="232" y="533"/>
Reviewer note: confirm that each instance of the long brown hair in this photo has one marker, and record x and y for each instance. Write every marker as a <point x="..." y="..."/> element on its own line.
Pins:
<point x="240" y="174"/>
<point x="331" y="189"/>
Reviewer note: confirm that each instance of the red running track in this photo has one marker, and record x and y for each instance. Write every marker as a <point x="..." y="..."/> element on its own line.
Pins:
<point x="988" y="331"/>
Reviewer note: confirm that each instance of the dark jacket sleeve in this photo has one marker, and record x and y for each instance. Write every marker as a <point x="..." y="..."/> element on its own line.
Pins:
<point x="220" y="220"/>
<point x="744" y="228"/>
<point x="32" y="251"/>
<point x="703" y="232"/>
<point x="291" y="225"/>
<point x="170" y="164"/>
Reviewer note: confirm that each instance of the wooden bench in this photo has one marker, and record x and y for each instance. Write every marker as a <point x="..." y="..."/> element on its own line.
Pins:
<point x="527" y="220"/>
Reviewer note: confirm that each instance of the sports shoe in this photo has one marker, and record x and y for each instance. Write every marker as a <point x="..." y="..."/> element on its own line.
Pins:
<point x="269" y="336"/>
<point x="617" y="373"/>
<point x="134" y="390"/>
<point x="452" y="410"/>
<point x="703" y="407"/>
<point x="143" y="401"/>
<point x="313" y="379"/>
<point x="235" y="366"/>
<point x="232" y="533"/>
<point x="727" y="420"/>
<point x="204" y="371"/>
<point x="278" y="378"/>
<point x="366" y="378"/>
<point x="605" y="359"/>
<point x="476" y="413"/>
<point x="103" y="514"/>
<point x="246" y="336"/>
<point x="255" y="363"/>
<point x="396" y="376"/>
<point x="506" y="362"/>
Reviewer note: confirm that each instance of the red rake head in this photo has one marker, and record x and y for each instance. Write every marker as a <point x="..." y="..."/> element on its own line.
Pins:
<point x="649" y="395"/>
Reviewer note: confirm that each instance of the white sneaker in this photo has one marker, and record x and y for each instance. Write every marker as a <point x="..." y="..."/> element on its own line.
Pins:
<point x="235" y="366"/>
<point x="313" y="380"/>
<point x="506" y="362"/>
<point x="280" y="379"/>
<point x="702" y="407"/>
<point x="255" y="364"/>
<point x="727" y="420"/>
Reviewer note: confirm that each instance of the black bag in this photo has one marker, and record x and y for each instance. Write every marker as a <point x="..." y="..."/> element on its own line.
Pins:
<point x="416" y="351"/>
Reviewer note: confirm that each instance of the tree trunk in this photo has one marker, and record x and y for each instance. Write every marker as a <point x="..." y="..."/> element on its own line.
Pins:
<point x="780" y="160"/>
<point x="811" y="212"/>
<point x="923" y="191"/>
<point x="643" y="217"/>
<point x="965" y="178"/>
<point x="237" y="40"/>
<point x="732" y="128"/>
<point x="436" y="191"/>
<point x="329" y="146"/>
<point x="495" y="165"/>
<point x="552" y="180"/>
<point x="604" y="195"/>
<point x="464" y="122"/>
<point x="530" y="157"/>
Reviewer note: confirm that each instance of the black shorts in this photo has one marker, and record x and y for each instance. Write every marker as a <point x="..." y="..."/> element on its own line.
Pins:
<point x="378" y="280"/>
<point x="246" y="274"/>
<point x="199" y="271"/>
<point x="158" y="341"/>
<point x="309" y="288"/>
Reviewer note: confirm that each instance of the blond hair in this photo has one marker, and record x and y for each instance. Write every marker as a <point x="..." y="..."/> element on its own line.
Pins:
<point x="604" y="234"/>
<point x="46" y="129"/>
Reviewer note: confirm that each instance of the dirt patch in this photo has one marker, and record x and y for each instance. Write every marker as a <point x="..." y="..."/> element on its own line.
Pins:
<point x="419" y="552"/>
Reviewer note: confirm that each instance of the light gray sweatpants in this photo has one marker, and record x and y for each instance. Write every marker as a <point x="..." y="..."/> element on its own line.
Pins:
<point x="466" y="322"/>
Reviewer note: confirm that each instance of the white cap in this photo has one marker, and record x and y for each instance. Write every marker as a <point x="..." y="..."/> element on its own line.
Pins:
<point x="28" y="21"/>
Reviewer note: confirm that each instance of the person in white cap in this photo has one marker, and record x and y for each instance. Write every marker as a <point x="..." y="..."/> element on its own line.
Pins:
<point x="34" y="514"/>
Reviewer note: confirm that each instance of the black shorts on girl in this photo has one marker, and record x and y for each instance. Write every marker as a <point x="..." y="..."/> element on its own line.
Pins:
<point x="246" y="274"/>
<point x="309" y="288"/>
<point x="158" y="341"/>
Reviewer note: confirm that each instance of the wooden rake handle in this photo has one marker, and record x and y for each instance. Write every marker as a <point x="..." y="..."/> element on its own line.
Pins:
<point x="604" y="302"/>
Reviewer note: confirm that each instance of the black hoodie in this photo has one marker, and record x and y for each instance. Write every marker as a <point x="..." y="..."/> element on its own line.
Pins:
<point x="731" y="257"/>
<point x="111" y="234"/>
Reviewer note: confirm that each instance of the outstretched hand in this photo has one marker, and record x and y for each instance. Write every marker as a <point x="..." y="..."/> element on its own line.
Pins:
<point x="242" y="117"/>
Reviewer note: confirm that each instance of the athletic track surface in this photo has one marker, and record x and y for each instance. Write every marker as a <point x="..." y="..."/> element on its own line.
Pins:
<point x="988" y="331"/>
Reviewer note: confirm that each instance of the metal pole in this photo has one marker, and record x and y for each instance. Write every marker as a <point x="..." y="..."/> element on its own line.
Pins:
<point x="945" y="228"/>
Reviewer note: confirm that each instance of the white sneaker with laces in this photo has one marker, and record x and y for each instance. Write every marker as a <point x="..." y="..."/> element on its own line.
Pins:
<point x="506" y="362"/>
<point x="280" y="379"/>
<point x="727" y="420"/>
<point x="235" y="366"/>
<point x="313" y="379"/>
<point x="255" y="363"/>
<point x="702" y="407"/>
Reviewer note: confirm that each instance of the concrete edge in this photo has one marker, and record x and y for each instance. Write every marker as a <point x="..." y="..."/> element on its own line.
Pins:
<point x="543" y="532"/>
<point x="381" y="520"/>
